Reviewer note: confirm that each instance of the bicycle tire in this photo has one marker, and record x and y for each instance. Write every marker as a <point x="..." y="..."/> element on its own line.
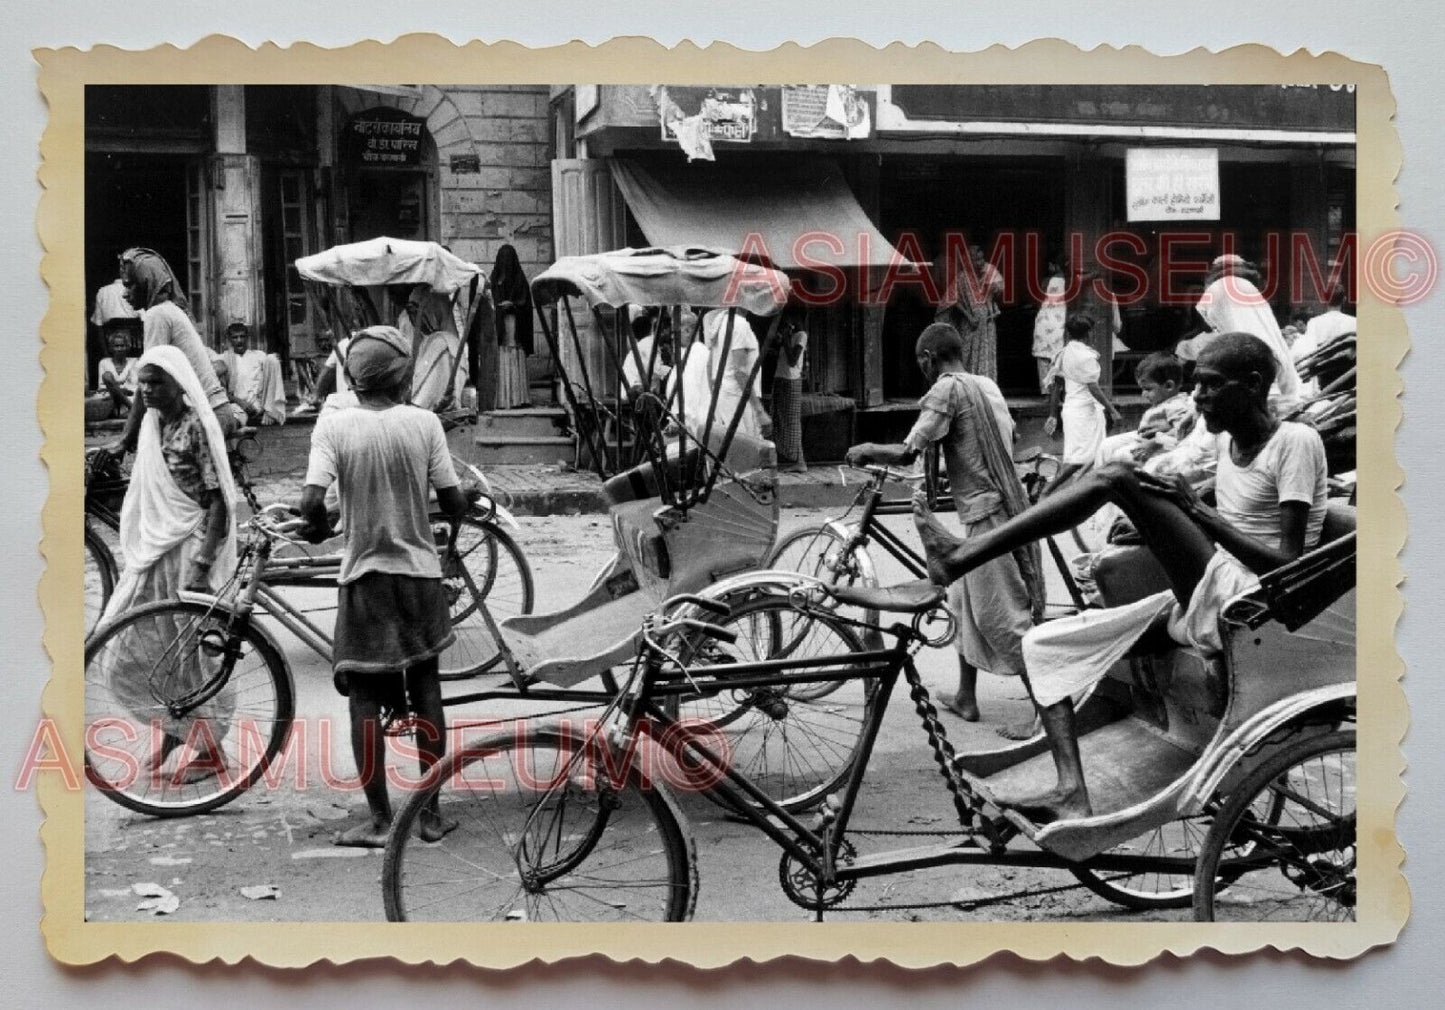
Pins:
<point x="100" y="575"/>
<point x="182" y="632"/>
<point x="511" y="796"/>
<point x="1150" y="890"/>
<point x="497" y="575"/>
<point x="796" y="743"/>
<point x="1292" y="838"/>
<point x="818" y="551"/>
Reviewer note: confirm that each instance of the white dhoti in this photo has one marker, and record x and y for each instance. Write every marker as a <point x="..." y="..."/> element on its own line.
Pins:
<point x="1084" y="431"/>
<point x="1071" y="654"/>
<point x="991" y="604"/>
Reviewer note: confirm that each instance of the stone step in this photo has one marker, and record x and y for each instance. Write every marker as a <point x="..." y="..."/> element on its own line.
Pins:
<point x="505" y="450"/>
<point x="525" y="422"/>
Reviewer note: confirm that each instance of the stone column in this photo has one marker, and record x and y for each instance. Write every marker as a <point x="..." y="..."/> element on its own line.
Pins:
<point x="236" y="205"/>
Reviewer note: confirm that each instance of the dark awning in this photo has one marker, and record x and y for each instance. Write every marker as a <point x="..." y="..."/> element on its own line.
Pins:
<point x="780" y="203"/>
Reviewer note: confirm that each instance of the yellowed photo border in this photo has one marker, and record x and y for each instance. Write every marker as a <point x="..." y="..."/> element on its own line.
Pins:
<point x="1383" y="715"/>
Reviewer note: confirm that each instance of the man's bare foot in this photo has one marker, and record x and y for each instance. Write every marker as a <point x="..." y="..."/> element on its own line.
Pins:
<point x="937" y="541"/>
<point x="965" y="709"/>
<point x="434" y="827"/>
<point x="370" y="835"/>
<point x="1025" y="730"/>
<point x="1056" y="805"/>
<point x="167" y="747"/>
<point x="209" y="765"/>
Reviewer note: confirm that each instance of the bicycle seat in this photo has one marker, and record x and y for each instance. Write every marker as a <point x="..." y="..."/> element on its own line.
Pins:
<point x="241" y="433"/>
<point x="1028" y="455"/>
<point x="907" y="598"/>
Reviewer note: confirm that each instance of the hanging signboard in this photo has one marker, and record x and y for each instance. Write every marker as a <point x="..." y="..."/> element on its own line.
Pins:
<point x="1172" y="183"/>
<point x="825" y="112"/>
<point x="383" y="136"/>
<point x="696" y="117"/>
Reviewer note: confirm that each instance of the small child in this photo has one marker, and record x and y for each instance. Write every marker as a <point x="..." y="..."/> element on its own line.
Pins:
<point x="1167" y="421"/>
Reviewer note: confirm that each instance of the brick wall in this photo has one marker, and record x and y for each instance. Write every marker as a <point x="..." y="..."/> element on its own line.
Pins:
<point x="509" y="200"/>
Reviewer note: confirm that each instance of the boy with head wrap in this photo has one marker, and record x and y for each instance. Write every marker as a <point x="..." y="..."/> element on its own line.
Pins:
<point x="392" y="616"/>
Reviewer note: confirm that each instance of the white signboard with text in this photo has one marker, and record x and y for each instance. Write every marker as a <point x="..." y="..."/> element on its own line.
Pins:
<point x="1172" y="184"/>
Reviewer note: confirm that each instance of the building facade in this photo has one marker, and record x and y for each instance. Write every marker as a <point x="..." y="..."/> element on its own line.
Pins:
<point x="1029" y="173"/>
<point x="233" y="183"/>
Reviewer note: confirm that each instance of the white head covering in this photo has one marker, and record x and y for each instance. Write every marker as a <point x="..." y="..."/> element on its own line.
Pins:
<point x="157" y="515"/>
<point x="1233" y="304"/>
<point x="732" y="374"/>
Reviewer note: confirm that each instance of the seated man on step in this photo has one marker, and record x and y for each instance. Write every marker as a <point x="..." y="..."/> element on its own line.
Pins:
<point x="1270" y="491"/>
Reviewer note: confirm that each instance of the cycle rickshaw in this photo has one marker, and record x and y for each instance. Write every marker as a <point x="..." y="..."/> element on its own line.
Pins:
<point x="204" y="652"/>
<point x="698" y="507"/>
<point x="1222" y="782"/>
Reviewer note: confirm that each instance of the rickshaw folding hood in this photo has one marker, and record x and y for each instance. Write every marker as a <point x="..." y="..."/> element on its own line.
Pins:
<point x="381" y="261"/>
<point x="675" y="276"/>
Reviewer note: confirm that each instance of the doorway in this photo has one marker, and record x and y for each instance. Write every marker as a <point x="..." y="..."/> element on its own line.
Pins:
<point x="933" y="196"/>
<point x="132" y="200"/>
<point x="390" y="202"/>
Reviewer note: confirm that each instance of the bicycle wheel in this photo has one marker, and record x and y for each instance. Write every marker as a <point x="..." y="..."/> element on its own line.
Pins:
<point x="821" y="551"/>
<point x="100" y="575"/>
<point x="185" y="706"/>
<point x="544" y="832"/>
<point x="490" y="567"/>
<point x="1151" y="888"/>
<point x="1286" y="839"/>
<point x="796" y="742"/>
<point x="818" y="551"/>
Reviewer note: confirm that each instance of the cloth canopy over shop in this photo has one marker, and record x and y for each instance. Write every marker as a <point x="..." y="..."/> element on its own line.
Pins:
<point x="381" y="261"/>
<point x="740" y="207"/>
<point x="681" y="276"/>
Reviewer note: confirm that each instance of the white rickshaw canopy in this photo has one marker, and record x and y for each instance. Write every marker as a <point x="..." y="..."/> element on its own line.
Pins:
<point x="673" y="276"/>
<point x="381" y="261"/>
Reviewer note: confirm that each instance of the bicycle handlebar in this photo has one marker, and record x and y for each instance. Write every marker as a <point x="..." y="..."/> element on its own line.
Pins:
<point x="881" y="474"/>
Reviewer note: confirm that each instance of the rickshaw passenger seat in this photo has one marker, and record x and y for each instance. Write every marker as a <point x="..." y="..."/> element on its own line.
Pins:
<point x="1126" y="574"/>
<point x="1339" y="521"/>
<point x="641" y="481"/>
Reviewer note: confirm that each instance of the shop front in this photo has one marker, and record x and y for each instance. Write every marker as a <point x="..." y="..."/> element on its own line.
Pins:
<point x="1031" y="175"/>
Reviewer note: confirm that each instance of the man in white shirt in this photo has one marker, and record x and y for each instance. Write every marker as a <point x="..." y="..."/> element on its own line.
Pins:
<point x="1320" y="331"/>
<point x="118" y="374"/>
<point x="1270" y="489"/>
<point x="253" y="378"/>
<point x="392" y="617"/>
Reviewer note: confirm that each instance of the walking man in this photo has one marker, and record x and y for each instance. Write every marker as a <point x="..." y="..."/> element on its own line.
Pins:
<point x="996" y="603"/>
<point x="391" y="619"/>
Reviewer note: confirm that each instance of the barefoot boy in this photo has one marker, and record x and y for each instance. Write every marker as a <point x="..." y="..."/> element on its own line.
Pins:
<point x="391" y="618"/>
<point x="996" y="602"/>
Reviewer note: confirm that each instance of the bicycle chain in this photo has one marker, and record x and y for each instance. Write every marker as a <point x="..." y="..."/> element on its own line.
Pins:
<point x="965" y="801"/>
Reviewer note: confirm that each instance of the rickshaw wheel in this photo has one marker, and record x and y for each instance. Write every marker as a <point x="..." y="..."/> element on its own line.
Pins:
<point x="1292" y="823"/>
<point x="497" y="574"/>
<point x="797" y="742"/>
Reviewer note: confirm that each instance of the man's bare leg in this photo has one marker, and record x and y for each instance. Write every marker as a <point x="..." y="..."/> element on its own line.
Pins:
<point x="369" y="750"/>
<point x="964" y="703"/>
<point x="1070" y="796"/>
<point x="423" y="688"/>
<point x="1181" y="547"/>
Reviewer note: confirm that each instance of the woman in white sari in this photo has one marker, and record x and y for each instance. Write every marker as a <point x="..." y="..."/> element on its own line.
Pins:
<point x="177" y="532"/>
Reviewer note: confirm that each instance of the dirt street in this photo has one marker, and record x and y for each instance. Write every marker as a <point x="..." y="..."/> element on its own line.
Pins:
<point x="281" y="837"/>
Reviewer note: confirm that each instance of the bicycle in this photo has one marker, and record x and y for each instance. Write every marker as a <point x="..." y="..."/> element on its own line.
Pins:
<point x="200" y="675"/>
<point x="837" y="552"/>
<point x="557" y="823"/>
<point x="497" y="567"/>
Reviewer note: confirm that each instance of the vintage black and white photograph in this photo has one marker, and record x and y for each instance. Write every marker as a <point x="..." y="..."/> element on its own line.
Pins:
<point x="914" y="503"/>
